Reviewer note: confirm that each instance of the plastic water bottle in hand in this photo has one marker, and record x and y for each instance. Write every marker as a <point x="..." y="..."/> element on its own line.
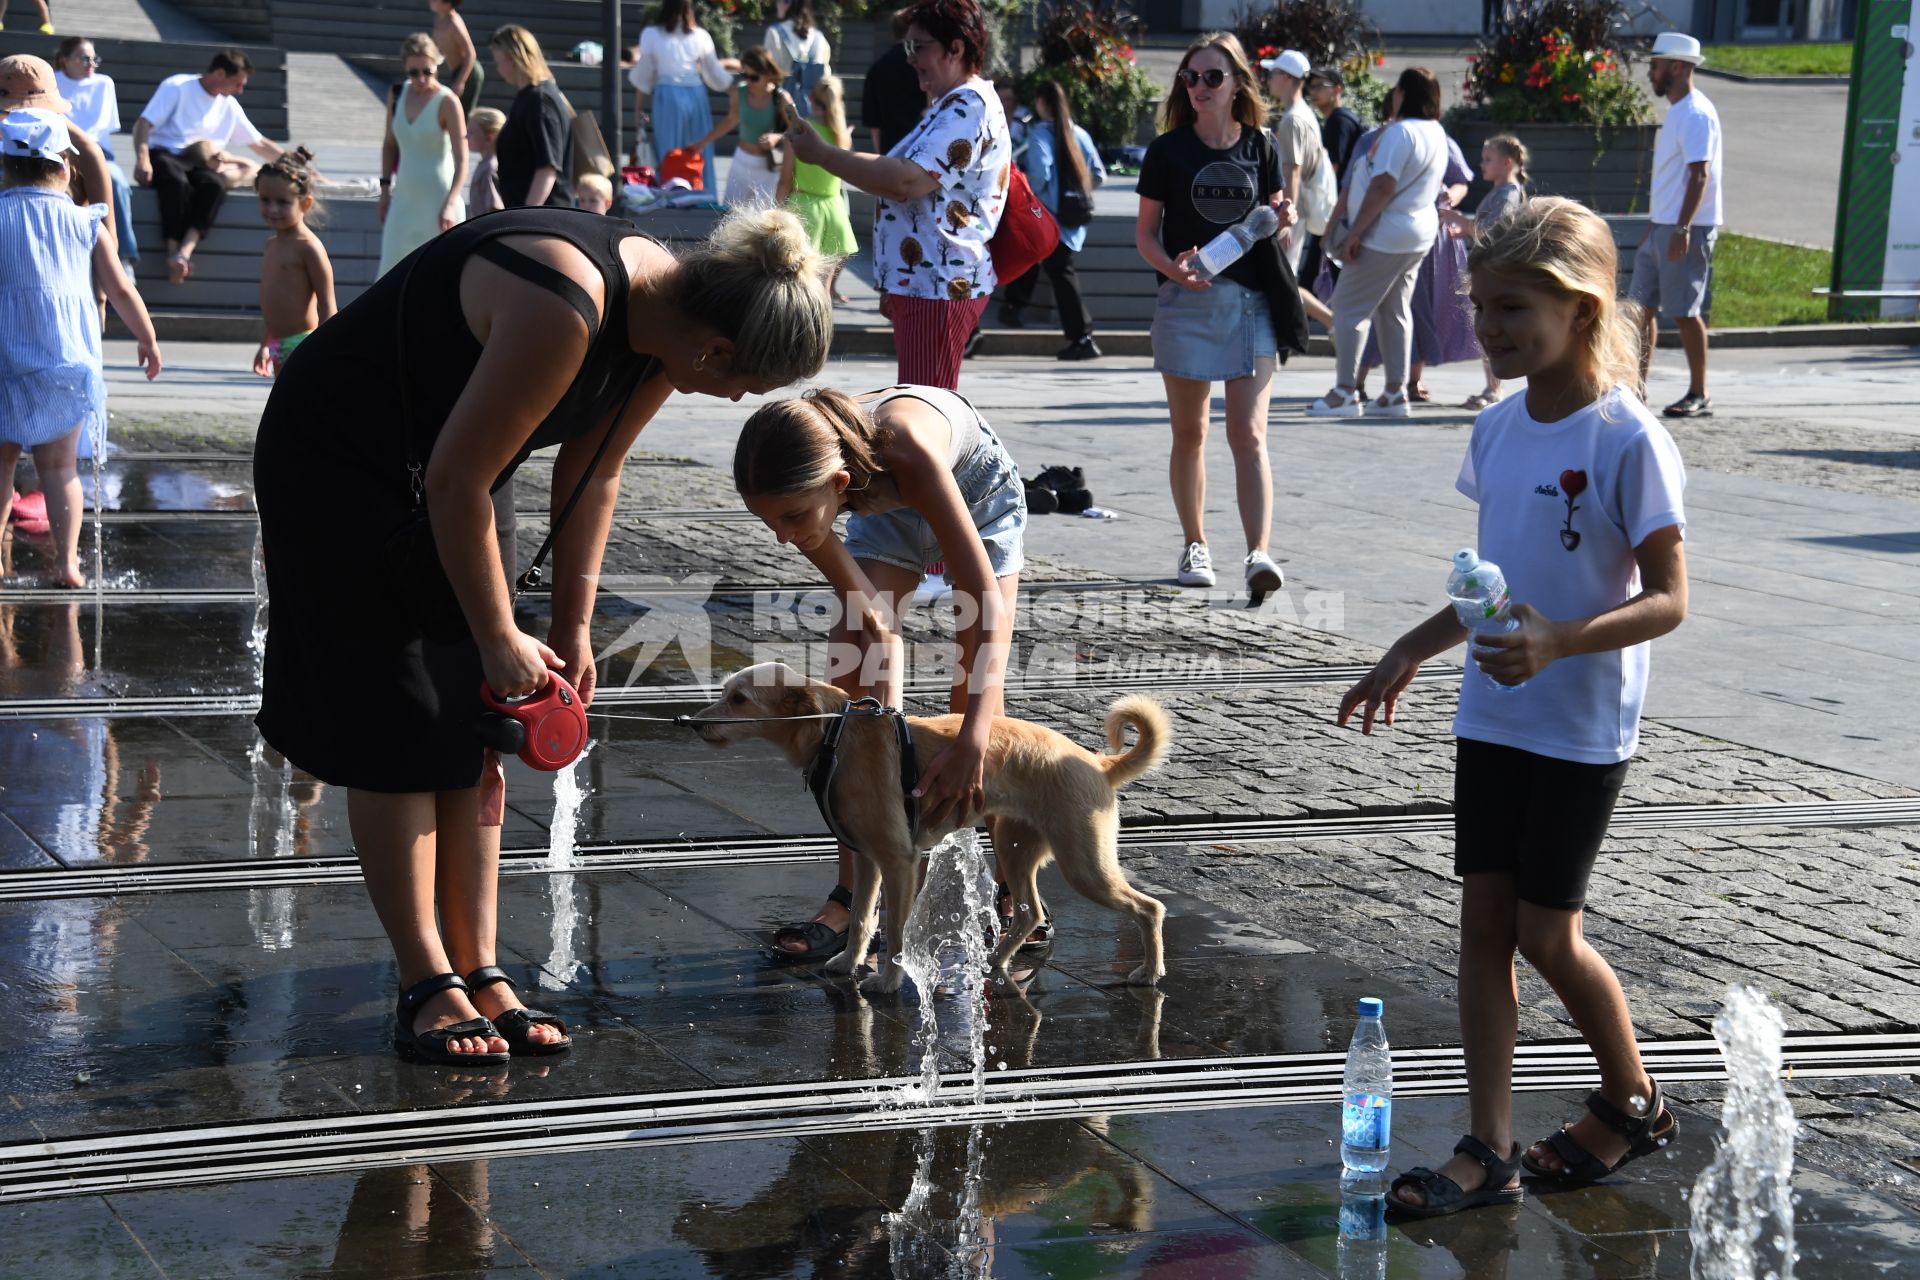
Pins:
<point x="1230" y="245"/>
<point x="1366" y="1120"/>
<point x="1479" y="593"/>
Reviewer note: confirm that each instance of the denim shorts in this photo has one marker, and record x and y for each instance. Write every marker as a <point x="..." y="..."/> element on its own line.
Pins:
<point x="989" y="482"/>
<point x="1211" y="335"/>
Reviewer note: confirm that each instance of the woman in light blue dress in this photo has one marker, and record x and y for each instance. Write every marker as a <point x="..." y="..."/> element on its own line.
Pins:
<point x="427" y="141"/>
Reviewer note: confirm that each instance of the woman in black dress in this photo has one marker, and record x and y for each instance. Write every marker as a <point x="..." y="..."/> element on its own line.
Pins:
<point x="509" y="333"/>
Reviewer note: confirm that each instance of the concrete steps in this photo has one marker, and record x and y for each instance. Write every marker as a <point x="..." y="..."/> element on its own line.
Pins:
<point x="122" y="20"/>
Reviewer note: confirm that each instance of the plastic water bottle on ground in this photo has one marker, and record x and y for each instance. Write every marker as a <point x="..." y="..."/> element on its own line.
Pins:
<point x="1366" y="1121"/>
<point x="1479" y="593"/>
<point x="1230" y="245"/>
<point x="1362" y="1247"/>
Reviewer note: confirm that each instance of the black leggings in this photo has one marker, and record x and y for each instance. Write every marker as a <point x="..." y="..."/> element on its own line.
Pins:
<point x="1074" y="320"/>
<point x="190" y="198"/>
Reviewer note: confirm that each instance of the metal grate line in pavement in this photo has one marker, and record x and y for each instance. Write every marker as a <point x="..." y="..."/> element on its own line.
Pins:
<point x="1093" y="678"/>
<point x="738" y="851"/>
<point x="249" y="1149"/>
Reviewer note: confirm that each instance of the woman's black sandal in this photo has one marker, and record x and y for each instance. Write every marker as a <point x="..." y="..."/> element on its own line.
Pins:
<point x="516" y="1025"/>
<point x="1441" y="1195"/>
<point x="822" y="943"/>
<point x="431" y="1046"/>
<point x="1581" y="1166"/>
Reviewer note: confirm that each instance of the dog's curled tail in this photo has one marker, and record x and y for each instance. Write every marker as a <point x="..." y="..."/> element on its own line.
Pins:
<point x="1149" y="721"/>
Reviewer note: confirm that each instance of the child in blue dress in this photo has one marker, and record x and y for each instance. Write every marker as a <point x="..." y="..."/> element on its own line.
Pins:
<point x="1579" y="490"/>
<point x="51" y="251"/>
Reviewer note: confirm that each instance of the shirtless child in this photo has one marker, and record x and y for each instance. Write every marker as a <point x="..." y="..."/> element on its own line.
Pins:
<point x="296" y="277"/>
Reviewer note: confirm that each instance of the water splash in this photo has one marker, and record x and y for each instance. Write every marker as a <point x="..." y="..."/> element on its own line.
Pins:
<point x="940" y="1233"/>
<point x="945" y="951"/>
<point x="271" y="819"/>
<point x="1743" y="1201"/>
<point x="563" y="959"/>
<point x="257" y="641"/>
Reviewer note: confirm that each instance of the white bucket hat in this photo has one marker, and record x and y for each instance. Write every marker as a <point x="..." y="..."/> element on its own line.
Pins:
<point x="1675" y="46"/>
<point x="35" y="132"/>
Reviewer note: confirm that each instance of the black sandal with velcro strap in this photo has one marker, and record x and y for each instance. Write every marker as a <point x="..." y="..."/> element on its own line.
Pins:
<point x="516" y="1024"/>
<point x="1582" y="1166"/>
<point x="822" y="943"/>
<point x="430" y="1047"/>
<point x="1441" y="1195"/>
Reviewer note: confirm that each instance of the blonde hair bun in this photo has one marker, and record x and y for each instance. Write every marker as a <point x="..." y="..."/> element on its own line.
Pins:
<point x="775" y="237"/>
<point x="759" y="280"/>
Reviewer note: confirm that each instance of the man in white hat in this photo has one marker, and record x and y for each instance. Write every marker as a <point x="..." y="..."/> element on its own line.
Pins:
<point x="1671" y="268"/>
<point x="1296" y="132"/>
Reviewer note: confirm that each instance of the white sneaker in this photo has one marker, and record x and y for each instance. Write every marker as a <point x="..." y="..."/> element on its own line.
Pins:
<point x="1392" y="404"/>
<point x="932" y="590"/>
<point x="1196" y="566"/>
<point x="1263" y="576"/>
<point x="1341" y="402"/>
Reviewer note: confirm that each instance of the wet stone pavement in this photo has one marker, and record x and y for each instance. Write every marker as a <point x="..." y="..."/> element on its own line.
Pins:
<point x="199" y="1082"/>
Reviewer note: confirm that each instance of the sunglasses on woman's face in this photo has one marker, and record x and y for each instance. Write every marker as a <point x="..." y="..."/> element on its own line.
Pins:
<point x="419" y="73"/>
<point x="92" y="59"/>
<point x="911" y="47"/>
<point x="1213" y="78"/>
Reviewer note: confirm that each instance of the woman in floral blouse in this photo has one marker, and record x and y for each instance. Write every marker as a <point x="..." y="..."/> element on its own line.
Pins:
<point x="939" y="193"/>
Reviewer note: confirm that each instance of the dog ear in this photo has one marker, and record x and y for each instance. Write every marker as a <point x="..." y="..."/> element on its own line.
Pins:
<point x="798" y="700"/>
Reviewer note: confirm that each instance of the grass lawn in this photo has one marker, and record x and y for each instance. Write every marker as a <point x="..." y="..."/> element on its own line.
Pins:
<point x="1782" y="59"/>
<point x="1762" y="283"/>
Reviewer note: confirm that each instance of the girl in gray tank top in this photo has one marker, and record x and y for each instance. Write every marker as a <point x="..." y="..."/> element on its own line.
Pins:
<point x="922" y="478"/>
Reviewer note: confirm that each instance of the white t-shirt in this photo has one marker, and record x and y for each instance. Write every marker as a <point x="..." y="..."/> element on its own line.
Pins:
<point x="1415" y="153"/>
<point x="1690" y="134"/>
<point x="786" y="47"/>
<point x="96" y="108"/>
<point x="1602" y="479"/>
<point x="677" y="57"/>
<point x="182" y="113"/>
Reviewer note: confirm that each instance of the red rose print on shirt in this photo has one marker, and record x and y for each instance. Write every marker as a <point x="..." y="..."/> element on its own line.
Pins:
<point x="1572" y="485"/>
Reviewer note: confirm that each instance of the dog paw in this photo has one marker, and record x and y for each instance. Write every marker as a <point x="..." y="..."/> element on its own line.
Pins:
<point x="843" y="964"/>
<point x="884" y="983"/>
<point x="1145" y="976"/>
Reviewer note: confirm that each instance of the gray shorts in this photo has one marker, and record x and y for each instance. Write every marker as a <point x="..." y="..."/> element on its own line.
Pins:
<point x="1211" y="335"/>
<point x="1673" y="289"/>
<point x="990" y="483"/>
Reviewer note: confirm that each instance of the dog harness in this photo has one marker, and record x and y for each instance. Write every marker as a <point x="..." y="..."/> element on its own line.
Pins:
<point x="826" y="763"/>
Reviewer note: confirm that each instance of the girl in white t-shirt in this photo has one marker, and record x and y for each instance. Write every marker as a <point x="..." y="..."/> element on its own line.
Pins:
<point x="1579" y="489"/>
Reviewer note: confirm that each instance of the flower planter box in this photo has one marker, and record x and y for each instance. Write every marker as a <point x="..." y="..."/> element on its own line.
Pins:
<point x="1609" y="172"/>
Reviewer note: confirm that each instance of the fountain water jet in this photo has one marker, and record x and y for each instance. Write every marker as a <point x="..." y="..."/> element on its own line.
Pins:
<point x="1743" y="1201"/>
<point x="563" y="960"/>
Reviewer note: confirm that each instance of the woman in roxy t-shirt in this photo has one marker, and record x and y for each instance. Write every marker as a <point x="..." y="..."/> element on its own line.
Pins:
<point x="1200" y="177"/>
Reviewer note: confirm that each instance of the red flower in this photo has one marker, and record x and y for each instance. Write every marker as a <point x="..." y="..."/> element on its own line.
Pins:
<point x="1379" y="59"/>
<point x="1569" y="97"/>
<point x="1573" y="483"/>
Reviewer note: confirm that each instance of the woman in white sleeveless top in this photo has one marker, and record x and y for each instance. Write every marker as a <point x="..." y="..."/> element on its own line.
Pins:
<point x="423" y="162"/>
<point x="799" y="48"/>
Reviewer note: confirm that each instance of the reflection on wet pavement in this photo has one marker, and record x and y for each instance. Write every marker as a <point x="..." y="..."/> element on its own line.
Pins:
<point x="154" y="1027"/>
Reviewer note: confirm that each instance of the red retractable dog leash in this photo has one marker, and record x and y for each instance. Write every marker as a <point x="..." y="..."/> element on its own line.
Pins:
<point x="547" y="728"/>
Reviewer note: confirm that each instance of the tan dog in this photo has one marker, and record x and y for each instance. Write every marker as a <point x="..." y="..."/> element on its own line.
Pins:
<point x="1053" y="799"/>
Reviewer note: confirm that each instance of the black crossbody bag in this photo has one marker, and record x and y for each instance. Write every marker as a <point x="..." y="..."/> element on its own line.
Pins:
<point x="412" y="563"/>
<point x="1275" y="276"/>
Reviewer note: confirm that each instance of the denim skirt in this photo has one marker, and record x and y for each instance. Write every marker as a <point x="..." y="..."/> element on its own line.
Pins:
<point x="1211" y="335"/>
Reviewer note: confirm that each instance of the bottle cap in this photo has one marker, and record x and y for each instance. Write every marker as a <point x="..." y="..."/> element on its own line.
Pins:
<point x="1371" y="1007"/>
<point x="1465" y="559"/>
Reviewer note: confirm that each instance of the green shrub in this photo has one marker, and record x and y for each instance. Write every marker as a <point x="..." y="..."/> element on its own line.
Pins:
<point x="1555" y="62"/>
<point x="1087" y="50"/>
